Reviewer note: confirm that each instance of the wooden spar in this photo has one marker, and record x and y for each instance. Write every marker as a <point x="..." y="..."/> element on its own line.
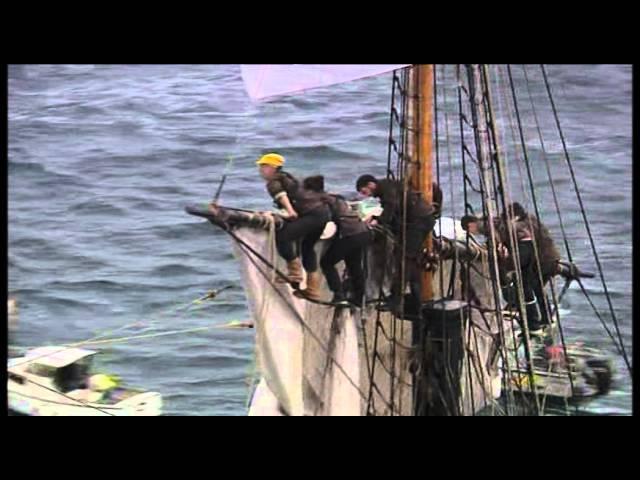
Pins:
<point x="425" y="156"/>
<point x="420" y="145"/>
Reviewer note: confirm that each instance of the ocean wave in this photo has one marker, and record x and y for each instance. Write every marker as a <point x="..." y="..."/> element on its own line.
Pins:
<point x="97" y="207"/>
<point x="53" y="301"/>
<point x="210" y="362"/>
<point x="41" y="177"/>
<point x="315" y="153"/>
<point x="164" y="189"/>
<point x="88" y="285"/>
<point x="184" y="230"/>
<point x="32" y="244"/>
<point x="174" y="270"/>
<point x="23" y="167"/>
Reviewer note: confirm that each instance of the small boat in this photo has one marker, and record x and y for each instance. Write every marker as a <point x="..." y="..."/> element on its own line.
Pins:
<point x="582" y="375"/>
<point x="57" y="381"/>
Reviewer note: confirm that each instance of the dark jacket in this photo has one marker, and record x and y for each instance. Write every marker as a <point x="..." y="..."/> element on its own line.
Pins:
<point x="519" y="226"/>
<point x="346" y="219"/>
<point x="548" y="253"/>
<point x="419" y="211"/>
<point x="303" y="201"/>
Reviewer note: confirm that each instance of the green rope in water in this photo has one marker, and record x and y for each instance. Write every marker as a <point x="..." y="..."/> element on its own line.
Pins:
<point x="232" y="324"/>
<point x="211" y="294"/>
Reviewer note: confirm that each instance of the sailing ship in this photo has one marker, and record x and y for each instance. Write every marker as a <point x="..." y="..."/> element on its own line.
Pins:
<point x="465" y="350"/>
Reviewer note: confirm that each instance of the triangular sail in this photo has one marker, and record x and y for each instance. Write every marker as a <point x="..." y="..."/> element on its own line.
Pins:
<point x="262" y="81"/>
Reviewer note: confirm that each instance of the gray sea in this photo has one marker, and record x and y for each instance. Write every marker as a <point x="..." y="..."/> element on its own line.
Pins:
<point x="103" y="159"/>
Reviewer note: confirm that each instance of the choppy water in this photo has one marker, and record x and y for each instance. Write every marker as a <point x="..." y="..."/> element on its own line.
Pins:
<point x="102" y="160"/>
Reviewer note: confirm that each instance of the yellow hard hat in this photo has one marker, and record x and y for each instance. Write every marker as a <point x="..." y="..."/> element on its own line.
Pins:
<point x="272" y="159"/>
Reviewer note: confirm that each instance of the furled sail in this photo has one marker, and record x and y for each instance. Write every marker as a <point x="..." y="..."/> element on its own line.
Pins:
<point x="262" y="81"/>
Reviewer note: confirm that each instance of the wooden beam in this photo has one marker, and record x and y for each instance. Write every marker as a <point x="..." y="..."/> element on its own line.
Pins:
<point x="425" y="154"/>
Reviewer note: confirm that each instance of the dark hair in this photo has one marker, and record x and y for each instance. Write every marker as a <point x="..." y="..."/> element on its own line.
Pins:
<point x="363" y="180"/>
<point x="467" y="219"/>
<point x="518" y="210"/>
<point x="314" y="183"/>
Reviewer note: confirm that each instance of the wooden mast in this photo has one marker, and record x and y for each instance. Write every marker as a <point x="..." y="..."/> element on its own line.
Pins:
<point x="419" y="152"/>
<point x="420" y="145"/>
<point x="425" y="155"/>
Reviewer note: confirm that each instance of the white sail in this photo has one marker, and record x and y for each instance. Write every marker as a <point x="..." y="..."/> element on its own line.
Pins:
<point x="307" y="355"/>
<point x="345" y="399"/>
<point x="279" y="334"/>
<point x="262" y="81"/>
<point x="264" y="403"/>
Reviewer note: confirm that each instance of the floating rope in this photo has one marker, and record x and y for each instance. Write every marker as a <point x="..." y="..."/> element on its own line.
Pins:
<point x="233" y="324"/>
<point x="209" y="295"/>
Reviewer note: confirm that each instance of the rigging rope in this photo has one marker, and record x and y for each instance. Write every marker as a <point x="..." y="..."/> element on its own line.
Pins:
<point x="509" y="215"/>
<point x="477" y="88"/>
<point x="454" y="263"/>
<point x="437" y="142"/>
<point x="533" y="231"/>
<point x="584" y="216"/>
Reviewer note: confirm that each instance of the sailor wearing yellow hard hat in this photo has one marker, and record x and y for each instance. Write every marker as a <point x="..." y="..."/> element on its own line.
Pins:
<point x="271" y="159"/>
<point x="308" y="215"/>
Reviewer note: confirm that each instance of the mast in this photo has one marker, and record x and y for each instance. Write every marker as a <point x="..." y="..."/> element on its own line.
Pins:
<point x="425" y="155"/>
<point x="420" y="145"/>
<point x="419" y="149"/>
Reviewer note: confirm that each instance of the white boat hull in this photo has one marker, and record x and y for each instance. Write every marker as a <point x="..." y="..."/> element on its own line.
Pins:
<point x="145" y="405"/>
